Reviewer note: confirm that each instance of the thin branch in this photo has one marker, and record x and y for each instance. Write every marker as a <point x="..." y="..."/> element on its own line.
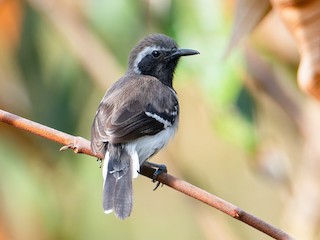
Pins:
<point x="78" y="144"/>
<point x="81" y="145"/>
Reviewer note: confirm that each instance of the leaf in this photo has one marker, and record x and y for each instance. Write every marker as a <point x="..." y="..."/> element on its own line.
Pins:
<point x="303" y="20"/>
<point x="248" y="15"/>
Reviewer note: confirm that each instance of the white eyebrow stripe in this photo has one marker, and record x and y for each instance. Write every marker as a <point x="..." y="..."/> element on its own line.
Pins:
<point x="165" y="122"/>
<point x="142" y="54"/>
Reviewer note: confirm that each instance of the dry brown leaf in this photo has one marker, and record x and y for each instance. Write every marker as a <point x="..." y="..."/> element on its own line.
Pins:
<point x="303" y="20"/>
<point x="248" y="15"/>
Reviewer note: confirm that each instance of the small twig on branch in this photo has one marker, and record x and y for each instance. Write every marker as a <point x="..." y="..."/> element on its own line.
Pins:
<point x="81" y="145"/>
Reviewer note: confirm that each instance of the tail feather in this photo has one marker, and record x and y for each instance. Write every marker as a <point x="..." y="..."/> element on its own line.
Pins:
<point x="118" y="193"/>
<point x="108" y="191"/>
<point x="123" y="196"/>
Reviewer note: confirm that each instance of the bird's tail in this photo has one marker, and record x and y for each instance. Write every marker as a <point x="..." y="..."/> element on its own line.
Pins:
<point x="117" y="188"/>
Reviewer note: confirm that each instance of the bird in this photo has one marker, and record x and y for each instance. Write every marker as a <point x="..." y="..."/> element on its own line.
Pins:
<point x="136" y="117"/>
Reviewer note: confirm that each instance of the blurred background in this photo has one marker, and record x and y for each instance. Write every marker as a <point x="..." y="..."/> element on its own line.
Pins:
<point x="247" y="133"/>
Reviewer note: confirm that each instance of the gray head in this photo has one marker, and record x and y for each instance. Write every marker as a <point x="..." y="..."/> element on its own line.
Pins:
<point x="157" y="55"/>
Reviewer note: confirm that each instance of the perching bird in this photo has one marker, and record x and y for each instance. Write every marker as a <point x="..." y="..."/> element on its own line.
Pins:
<point x="136" y="118"/>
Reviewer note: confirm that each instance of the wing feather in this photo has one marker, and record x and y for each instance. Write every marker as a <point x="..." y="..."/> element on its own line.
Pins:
<point x="122" y="114"/>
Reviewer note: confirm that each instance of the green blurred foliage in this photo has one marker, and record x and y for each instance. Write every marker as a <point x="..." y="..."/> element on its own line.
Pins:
<point x="47" y="194"/>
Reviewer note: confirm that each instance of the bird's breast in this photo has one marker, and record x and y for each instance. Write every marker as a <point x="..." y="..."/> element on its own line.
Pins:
<point x="147" y="146"/>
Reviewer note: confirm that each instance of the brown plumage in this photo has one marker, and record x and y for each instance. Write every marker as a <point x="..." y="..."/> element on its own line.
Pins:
<point x="136" y="118"/>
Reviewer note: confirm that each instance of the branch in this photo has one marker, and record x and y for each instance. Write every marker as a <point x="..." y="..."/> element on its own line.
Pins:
<point x="81" y="145"/>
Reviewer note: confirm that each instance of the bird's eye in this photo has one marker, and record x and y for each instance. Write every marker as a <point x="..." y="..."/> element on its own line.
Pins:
<point x="155" y="53"/>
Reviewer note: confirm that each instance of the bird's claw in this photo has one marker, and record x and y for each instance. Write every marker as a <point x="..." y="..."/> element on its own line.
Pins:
<point x="160" y="169"/>
<point x="77" y="144"/>
<point x="72" y="146"/>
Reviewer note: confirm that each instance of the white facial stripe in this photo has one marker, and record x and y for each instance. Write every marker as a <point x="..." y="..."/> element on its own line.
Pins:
<point x="159" y="119"/>
<point x="142" y="54"/>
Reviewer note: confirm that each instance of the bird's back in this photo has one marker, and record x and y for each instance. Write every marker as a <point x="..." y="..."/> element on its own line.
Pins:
<point x="121" y="105"/>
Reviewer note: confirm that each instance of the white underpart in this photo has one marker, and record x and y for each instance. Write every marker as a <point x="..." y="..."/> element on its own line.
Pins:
<point x="141" y="149"/>
<point x="105" y="167"/>
<point x="104" y="174"/>
<point x="135" y="167"/>
<point x="142" y="54"/>
<point x="165" y="122"/>
<point x="146" y="146"/>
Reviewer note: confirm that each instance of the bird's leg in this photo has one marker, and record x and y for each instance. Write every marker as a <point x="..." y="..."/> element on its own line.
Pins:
<point x="78" y="146"/>
<point x="159" y="169"/>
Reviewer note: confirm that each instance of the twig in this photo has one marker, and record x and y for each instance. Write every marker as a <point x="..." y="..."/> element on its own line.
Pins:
<point x="81" y="145"/>
<point x="78" y="144"/>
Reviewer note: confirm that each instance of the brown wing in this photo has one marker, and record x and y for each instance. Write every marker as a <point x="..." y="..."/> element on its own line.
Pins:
<point x="132" y="110"/>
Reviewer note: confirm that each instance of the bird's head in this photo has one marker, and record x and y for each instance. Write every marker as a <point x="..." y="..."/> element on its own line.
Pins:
<point x="157" y="55"/>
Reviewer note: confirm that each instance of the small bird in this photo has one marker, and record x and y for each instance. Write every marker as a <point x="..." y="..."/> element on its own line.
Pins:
<point x="136" y="118"/>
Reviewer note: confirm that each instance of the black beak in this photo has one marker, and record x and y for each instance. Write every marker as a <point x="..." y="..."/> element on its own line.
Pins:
<point x="182" y="52"/>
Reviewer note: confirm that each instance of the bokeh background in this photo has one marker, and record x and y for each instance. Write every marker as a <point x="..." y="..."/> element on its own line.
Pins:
<point x="247" y="133"/>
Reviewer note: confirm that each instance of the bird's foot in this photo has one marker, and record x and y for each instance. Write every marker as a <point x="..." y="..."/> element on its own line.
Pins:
<point x="72" y="146"/>
<point x="78" y="145"/>
<point x="159" y="169"/>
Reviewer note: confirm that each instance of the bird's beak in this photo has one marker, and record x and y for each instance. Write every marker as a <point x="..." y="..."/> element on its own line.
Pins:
<point x="182" y="52"/>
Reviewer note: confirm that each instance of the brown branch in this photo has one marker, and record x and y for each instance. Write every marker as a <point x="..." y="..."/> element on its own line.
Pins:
<point x="81" y="145"/>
